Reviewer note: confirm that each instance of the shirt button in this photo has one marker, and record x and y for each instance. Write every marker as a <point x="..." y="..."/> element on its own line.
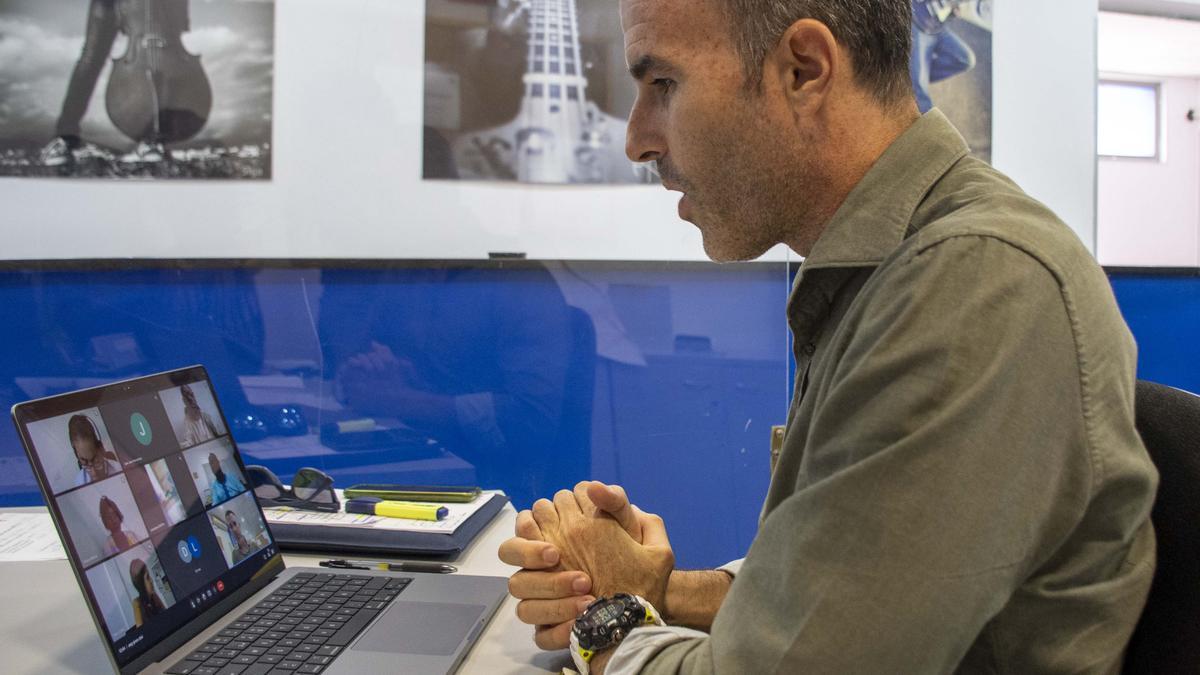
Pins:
<point x="809" y="349"/>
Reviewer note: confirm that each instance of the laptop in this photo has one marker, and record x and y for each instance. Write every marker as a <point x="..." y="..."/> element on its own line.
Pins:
<point x="178" y="565"/>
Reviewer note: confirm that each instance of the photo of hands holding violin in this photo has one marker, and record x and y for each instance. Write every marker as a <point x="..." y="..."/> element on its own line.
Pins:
<point x="142" y="89"/>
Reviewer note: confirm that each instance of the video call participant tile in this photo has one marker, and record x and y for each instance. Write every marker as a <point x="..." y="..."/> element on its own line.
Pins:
<point x="215" y="472"/>
<point x="193" y="413"/>
<point x="239" y="528"/>
<point x="74" y="449"/>
<point x="131" y="589"/>
<point x="140" y="429"/>
<point x="190" y="554"/>
<point x="157" y="495"/>
<point x="102" y="519"/>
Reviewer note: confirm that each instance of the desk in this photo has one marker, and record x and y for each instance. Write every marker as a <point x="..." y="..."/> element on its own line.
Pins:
<point x="45" y="626"/>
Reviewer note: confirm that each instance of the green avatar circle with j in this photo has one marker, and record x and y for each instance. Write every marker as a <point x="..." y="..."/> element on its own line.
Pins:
<point x="141" y="428"/>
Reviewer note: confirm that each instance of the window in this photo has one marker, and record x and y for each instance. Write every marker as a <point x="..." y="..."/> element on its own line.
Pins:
<point x="1128" y="120"/>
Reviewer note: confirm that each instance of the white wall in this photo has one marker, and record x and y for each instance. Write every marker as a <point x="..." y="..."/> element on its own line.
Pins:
<point x="1149" y="210"/>
<point x="347" y="144"/>
<point x="1044" y="124"/>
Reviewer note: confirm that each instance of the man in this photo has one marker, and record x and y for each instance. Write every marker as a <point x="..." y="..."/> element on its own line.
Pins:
<point x="225" y="486"/>
<point x="961" y="487"/>
<point x="239" y="546"/>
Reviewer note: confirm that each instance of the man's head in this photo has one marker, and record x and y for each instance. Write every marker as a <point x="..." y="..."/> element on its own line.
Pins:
<point x="875" y="33"/>
<point x="765" y="113"/>
<point x="231" y="521"/>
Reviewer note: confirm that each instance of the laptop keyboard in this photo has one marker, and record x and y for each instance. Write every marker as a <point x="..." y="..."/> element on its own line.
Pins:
<point x="299" y="628"/>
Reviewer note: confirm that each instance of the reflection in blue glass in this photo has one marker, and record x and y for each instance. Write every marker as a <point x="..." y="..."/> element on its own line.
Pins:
<point x="526" y="377"/>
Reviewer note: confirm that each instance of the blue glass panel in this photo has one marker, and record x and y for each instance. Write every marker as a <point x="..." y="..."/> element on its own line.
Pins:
<point x="1164" y="314"/>
<point x="527" y="377"/>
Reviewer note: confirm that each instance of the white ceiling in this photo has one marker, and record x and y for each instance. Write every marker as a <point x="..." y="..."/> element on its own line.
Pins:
<point x="1184" y="9"/>
<point x="1147" y="45"/>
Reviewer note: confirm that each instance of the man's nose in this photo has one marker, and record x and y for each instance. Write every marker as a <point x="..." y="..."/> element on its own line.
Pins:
<point x="644" y="141"/>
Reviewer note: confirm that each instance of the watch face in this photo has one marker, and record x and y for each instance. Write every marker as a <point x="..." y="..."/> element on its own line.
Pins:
<point x="607" y="621"/>
<point x="609" y="611"/>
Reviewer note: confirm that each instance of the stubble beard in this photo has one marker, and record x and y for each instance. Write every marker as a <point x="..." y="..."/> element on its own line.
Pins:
<point x="755" y="196"/>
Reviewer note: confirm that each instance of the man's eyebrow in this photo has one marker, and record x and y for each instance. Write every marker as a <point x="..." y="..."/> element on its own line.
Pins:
<point x="639" y="68"/>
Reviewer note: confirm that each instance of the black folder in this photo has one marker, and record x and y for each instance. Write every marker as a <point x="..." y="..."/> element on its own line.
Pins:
<point x="338" y="539"/>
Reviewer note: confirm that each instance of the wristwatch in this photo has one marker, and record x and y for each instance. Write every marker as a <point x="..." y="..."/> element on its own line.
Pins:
<point x="605" y="623"/>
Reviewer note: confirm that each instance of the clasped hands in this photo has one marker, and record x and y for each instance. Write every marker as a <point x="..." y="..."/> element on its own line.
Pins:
<point x="589" y="542"/>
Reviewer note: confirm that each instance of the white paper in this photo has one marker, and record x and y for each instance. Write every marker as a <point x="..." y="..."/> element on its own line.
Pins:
<point x="29" y="536"/>
<point x="459" y="513"/>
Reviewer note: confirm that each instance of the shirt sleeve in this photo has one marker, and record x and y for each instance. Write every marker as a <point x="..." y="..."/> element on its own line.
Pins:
<point x="944" y="461"/>
<point x="643" y="643"/>
<point x="732" y="567"/>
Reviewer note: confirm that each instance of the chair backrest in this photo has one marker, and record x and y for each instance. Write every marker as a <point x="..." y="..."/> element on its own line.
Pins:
<point x="1167" y="637"/>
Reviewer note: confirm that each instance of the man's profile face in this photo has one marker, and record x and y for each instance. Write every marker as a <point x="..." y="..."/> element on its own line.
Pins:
<point x="726" y="146"/>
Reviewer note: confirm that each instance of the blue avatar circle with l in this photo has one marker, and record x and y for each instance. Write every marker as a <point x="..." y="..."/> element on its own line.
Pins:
<point x="185" y="551"/>
<point x="141" y="428"/>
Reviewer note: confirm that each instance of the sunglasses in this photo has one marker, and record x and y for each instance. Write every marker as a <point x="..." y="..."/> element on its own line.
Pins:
<point x="311" y="489"/>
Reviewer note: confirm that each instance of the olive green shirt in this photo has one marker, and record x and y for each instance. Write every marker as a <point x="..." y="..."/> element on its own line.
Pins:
<point x="961" y="487"/>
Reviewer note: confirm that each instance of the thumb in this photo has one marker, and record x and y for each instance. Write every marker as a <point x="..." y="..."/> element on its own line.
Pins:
<point x="654" y="530"/>
<point x="612" y="500"/>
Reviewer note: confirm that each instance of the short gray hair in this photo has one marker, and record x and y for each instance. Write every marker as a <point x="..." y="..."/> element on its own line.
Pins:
<point x="876" y="33"/>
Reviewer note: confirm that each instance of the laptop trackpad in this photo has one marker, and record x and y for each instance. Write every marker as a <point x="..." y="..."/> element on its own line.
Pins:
<point x="429" y="628"/>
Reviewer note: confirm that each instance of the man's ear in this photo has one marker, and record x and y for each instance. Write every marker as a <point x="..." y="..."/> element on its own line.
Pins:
<point x="807" y="62"/>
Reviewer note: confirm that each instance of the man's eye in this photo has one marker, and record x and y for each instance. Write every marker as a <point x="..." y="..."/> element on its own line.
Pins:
<point x="663" y="83"/>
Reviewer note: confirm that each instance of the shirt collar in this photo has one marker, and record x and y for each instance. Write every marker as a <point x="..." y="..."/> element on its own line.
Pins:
<point x="875" y="217"/>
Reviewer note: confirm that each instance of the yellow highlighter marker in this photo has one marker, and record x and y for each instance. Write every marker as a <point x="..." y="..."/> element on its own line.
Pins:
<point x="392" y="509"/>
<point x="411" y="510"/>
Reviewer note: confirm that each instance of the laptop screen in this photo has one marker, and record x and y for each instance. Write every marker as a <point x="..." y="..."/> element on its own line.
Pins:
<point x="151" y="497"/>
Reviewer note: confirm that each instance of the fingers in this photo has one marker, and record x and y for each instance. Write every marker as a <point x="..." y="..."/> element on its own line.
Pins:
<point x="527" y="527"/>
<point x="383" y="351"/>
<point x="613" y="500"/>
<point x="564" y="501"/>
<point x="535" y="585"/>
<point x="654" y="531"/>
<point x="581" y="497"/>
<point x="545" y="515"/>
<point x="553" y="637"/>
<point x="552" y="612"/>
<point x="533" y="555"/>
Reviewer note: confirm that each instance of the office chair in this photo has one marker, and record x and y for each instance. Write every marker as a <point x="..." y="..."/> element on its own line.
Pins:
<point x="1167" y="638"/>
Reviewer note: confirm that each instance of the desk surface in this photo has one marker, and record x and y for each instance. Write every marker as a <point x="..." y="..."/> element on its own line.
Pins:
<point x="45" y="626"/>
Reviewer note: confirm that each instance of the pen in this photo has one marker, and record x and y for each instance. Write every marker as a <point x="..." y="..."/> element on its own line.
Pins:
<point x="426" y="567"/>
